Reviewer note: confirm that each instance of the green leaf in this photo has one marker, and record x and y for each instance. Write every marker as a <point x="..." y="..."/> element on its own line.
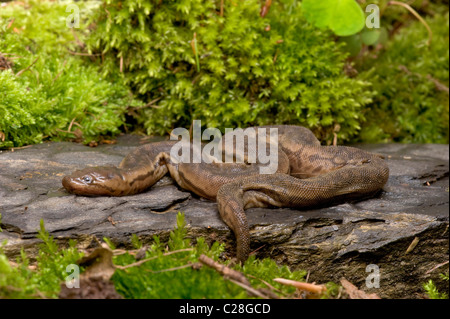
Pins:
<point x="347" y="18"/>
<point x="370" y="36"/>
<point x="343" y="17"/>
<point x="318" y="12"/>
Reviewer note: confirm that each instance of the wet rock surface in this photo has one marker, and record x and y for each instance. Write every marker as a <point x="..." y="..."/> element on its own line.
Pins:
<point x="330" y="242"/>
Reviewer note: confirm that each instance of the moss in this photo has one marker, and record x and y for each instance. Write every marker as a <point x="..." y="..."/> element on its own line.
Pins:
<point x="250" y="70"/>
<point x="159" y="277"/>
<point x="432" y="291"/>
<point x="243" y="70"/>
<point x="411" y="80"/>
<point x="20" y="281"/>
<point x="164" y="277"/>
<point x="46" y="91"/>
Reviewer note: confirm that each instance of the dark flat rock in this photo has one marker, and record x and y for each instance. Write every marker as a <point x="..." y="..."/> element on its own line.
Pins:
<point x="331" y="242"/>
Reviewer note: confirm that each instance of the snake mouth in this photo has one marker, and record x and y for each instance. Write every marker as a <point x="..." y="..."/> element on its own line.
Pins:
<point x="79" y="186"/>
<point x="67" y="184"/>
<point x="74" y="186"/>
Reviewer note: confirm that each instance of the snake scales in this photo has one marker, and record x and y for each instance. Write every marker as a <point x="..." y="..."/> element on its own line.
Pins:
<point x="308" y="175"/>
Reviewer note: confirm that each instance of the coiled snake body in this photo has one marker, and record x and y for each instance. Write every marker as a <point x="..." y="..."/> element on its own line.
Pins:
<point x="308" y="175"/>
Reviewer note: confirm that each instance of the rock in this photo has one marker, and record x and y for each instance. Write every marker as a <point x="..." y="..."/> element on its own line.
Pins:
<point x="331" y="242"/>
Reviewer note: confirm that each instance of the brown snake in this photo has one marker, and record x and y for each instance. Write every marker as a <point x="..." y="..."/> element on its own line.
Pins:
<point x="308" y="175"/>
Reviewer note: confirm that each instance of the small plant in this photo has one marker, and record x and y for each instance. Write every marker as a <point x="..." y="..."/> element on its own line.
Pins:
<point x="343" y="17"/>
<point x="411" y="78"/>
<point x="432" y="291"/>
<point x="222" y="63"/>
<point x="168" y="271"/>
<point x="45" y="90"/>
<point x="22" y="281"/>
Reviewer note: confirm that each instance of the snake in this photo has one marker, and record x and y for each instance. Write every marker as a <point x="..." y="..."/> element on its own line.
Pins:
<point x="308" y="175"/>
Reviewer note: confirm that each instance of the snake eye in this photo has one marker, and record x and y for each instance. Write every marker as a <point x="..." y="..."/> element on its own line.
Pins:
<point x="87" y="179"/>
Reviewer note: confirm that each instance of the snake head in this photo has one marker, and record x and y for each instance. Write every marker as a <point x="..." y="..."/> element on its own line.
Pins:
<point x="94" y="181"/>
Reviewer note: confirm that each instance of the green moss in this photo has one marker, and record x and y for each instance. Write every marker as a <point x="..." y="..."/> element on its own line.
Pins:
<point x="432" y="291"/>
<point x="168" y="273"/>
<point x="163" y="277"/>
<point x="48" y="90"/>
<point x="21" y="282"/>
<point x="411" y="80"/>
<point x="245" y="70"/>
<point x="247" y="75"/>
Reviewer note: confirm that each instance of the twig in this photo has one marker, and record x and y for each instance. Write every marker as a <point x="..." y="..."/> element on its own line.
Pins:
<point x="237" y="278"/>
<point x="27" y="68"/>
<point x="315" y="289"/>
<point x="62" y="131"/>
<point x="195" y="50"/>
<point x="275" y="56"/>
<point x="72" y="123"/>
<point x="77" y="39"/>
<point x="152" y="102"/>
<point x="4" y="60"/>
<point x="339" y="293"/>
<point x="414" y="12"/>
<point x="224" y="270"/>
<point x="412" y="245"/>
<point x="15" y="56"/>
<point x="108" y="13"/>
<point x="221" y="8"/>
<point x="307" y="276"/>
<point x="20" y="148"/>
<point x="436" y="267"/>
<point x="446" y="228"/>
<point x="140" y="262"/>
<point x="118" y="252"/>
<point x="249" y="288"/>
<point x="439" y="85"/>
<point x="174" y="268"/>
<point x="355" y="293"/>
<point x="69" y="129"/>
<point x="254" y="251"/>
<point x="336" y="129"/>
<point x="83" y="54"/>
<point x="149" y="104"/>
<point x="335" y="137"/>
<point x="268" y="285"/>
<point x="265" y="8"/>
<point x="10" y="23"/>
